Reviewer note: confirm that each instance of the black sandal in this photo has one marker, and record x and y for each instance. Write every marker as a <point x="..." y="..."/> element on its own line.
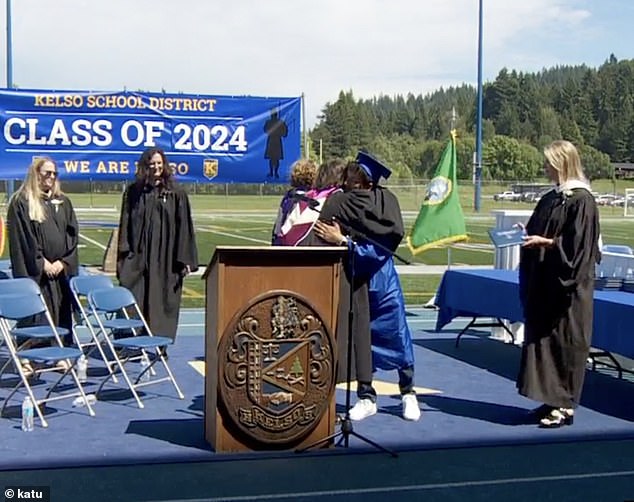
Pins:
<point x="558" y="417"/>
<point x="536" y="414"/>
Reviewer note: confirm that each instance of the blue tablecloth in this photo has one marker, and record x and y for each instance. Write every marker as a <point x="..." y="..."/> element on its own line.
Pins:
<point x="613" y="328"/>
<point x="495" y="293"/>
<point x="478" y="293"/>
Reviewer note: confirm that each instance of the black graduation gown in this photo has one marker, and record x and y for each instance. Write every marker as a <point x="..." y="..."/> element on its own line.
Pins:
<point x="556" y="289"/>
<point x="156" y="242"/>
<point x="375" y="214"/>
<point x="55" y="239"/>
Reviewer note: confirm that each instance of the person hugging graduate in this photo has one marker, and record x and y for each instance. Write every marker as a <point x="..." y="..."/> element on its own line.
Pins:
<point x="367" y="218"/>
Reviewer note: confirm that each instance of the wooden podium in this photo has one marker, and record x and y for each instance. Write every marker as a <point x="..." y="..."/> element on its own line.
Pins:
<point x="270" y="348"/>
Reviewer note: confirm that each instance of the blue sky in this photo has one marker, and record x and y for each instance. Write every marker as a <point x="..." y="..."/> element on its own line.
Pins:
<point x="314" y="47"/>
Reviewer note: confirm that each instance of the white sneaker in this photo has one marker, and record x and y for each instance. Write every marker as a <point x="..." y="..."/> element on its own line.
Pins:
<point x="363" y="408"/>
<point x="411" y="411"/>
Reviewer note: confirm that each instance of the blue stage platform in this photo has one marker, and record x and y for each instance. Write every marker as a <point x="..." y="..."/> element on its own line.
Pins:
<point x="467" y="396"/>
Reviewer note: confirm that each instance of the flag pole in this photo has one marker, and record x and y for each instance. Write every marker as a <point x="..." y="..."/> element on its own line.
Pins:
<point x="9" y="48"/>
<point x="452" y="128"/>
<point x="478" y="160"/>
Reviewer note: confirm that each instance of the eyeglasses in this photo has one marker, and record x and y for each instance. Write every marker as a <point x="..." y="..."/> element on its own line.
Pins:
<point x="48" y="174"/>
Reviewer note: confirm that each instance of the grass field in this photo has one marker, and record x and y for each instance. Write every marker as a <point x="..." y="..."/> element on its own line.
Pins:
<point x="246" y="220"/>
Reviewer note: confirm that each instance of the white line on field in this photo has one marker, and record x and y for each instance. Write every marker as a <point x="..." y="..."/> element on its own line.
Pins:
<point x="92" y="241"/>
<point x="235" y="236"/>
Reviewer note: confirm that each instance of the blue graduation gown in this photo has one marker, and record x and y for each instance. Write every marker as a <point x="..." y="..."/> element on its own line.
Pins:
<point x="391" y="339"/>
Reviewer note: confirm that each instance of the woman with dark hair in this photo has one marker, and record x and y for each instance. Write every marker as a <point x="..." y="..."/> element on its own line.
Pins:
<point x="157" y="245"/>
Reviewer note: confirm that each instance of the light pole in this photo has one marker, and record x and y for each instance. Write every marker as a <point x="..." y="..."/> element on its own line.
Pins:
<point x="478" y="159"/>
<point x="10" y="185"/>
<point x="9" y="48"/>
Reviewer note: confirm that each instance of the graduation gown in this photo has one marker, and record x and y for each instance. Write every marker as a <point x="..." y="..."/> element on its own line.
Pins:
<point x="156" y="243"/>
<point x="392" y="346"/>
<point x="286" y="204"/>
<point x="53" y="239"/>
<point x="378" y="340"/>
<point x="556" y="290"/>
<point x="295" y="225"/>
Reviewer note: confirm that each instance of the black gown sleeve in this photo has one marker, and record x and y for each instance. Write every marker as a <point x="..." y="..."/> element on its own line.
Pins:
<point x="576" y="242"/>
<point x="186" y="251"/>
<point x="123" y="246"/>
<point x="71" y="257"/>
<point x="27" y="259"/>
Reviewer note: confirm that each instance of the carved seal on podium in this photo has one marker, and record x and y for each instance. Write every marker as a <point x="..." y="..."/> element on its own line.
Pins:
<point x="276" y="369"/>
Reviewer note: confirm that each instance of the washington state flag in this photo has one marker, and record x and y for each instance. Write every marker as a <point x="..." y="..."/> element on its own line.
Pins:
<point x="440" y="220"/>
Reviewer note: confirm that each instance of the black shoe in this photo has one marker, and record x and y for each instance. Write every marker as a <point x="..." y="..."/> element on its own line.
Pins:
<point x="558" y="417"/>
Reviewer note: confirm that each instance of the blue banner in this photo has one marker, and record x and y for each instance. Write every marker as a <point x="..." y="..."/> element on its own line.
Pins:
<point x="101" y="135"/>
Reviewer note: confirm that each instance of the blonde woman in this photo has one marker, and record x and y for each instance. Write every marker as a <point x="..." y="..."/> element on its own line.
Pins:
<point x="43" y="233"/>
<point x="557" y="264"/>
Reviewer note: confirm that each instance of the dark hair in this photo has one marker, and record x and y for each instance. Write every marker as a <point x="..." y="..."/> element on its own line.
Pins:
<point x="330" y="174"/>
<point x="145" y="175"/>
<point x="355" y="177"/>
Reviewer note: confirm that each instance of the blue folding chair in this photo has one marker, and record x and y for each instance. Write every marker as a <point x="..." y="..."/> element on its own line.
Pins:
<point x="126" y="316"/>
<point x="80" y="287"/>
<point x="21" y="299"/>
<point x="36" y="333"/>
<point x="28" y="336"/>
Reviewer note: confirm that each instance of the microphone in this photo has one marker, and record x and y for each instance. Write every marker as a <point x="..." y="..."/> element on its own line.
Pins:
<point x="312" y="203"/>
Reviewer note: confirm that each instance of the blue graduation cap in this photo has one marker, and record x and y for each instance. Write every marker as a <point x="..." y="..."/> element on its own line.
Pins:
<point x="372" y="167"/>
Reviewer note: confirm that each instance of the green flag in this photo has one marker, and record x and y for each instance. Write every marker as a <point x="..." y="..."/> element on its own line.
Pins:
<point x="440" y="220"/>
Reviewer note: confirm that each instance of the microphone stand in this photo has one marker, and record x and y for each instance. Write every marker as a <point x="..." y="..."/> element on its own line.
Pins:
<point x="347" y="428"/>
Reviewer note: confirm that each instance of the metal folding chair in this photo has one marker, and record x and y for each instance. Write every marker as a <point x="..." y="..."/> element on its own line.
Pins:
<point x="126" y="316"/>
<point x="35" y="333"/>
<point x="21" y="299"/>
<point x="31" y="335"/>
<point x="80" y="287"/>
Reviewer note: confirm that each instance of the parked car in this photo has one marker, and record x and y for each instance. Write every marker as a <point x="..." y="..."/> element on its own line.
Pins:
<point x="508" y="195"/>
<point x="606" y="199"/>
<point x="534" y="196"/>
<point x="620" y="201"/>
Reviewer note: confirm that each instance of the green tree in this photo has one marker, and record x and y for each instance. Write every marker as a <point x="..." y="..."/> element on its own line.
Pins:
<point x="596" y="164"/>
<point x="588" y="106"/>
<point x="548" y="126"/>
<point x="429" y="158"/>
<point x="505" y="158"/>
